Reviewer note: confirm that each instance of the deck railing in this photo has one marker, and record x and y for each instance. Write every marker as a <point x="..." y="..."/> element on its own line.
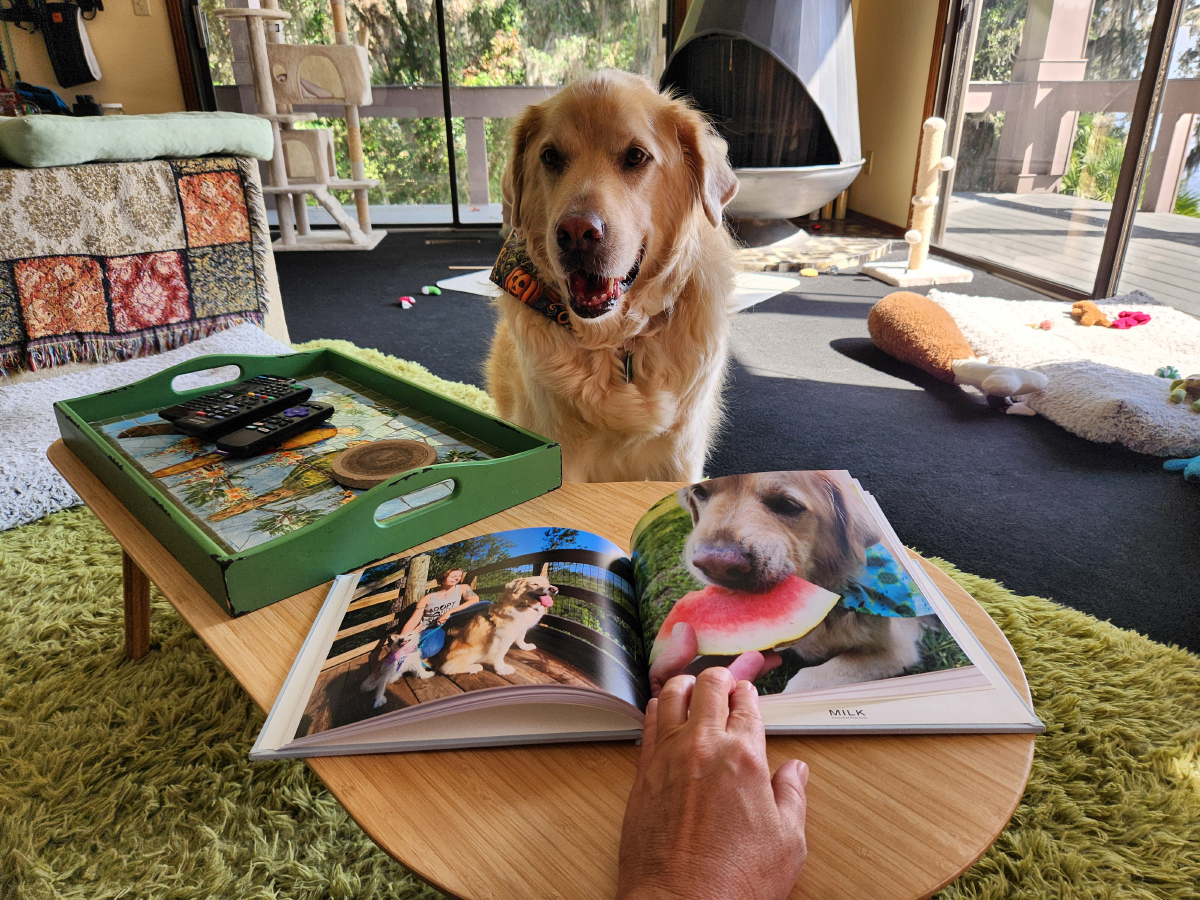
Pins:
<point x="1039" y="130"/>
<point x="472" y="104"/>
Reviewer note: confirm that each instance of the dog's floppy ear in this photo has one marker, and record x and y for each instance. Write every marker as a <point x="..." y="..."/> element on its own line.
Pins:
<point x="849" y="533"/>
<point x="688" y="501"/>
<point x="512" y="184"/>
<point x="706" y="156"/>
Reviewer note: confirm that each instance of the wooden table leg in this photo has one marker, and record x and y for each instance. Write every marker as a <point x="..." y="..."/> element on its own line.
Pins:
<point x="137" y="608"/>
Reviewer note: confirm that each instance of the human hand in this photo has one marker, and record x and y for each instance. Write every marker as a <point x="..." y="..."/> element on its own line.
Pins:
<point x="443" y="617"/>
<point x="705" y="820"/>
<point x="680" y="656"/>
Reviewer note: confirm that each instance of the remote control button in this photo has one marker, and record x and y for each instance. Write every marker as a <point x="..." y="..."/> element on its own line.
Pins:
<point x="296" y="412"/>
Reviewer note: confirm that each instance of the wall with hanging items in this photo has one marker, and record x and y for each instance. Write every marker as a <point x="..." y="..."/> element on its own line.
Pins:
<point x="135" y="54"/>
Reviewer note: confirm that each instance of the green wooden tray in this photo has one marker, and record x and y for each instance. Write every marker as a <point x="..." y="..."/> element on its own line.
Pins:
<point x="343" y="539"/>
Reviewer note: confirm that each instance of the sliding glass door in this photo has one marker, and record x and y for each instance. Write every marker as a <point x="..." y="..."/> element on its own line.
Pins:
<point x="502" y="56"/>
<point x="439" y="163"/>
<point x="1163" y="257"/>
<point x="1058" y="146"/>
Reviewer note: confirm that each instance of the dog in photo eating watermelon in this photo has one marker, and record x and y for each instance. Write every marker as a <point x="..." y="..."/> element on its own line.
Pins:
<point x="784" y="557"/>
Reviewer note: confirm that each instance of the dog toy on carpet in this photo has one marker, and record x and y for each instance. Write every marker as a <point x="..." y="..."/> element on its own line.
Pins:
<point x="1088" y="313"/>
<point x="914" y="329"/>
<point x="1186" y="389"/>
<point x="1129" y="318"/>
<point x="1189" y="467"/>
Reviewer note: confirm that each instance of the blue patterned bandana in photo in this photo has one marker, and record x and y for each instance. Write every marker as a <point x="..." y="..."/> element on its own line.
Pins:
<point x="887" y="589"/>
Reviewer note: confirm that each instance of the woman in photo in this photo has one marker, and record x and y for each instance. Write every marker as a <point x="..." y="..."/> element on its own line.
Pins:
<point x="436" y="607"/>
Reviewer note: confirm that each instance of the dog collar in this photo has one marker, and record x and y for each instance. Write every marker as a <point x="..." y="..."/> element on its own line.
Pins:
<point x="887" y="590"/>
<point x="515" y="273"/>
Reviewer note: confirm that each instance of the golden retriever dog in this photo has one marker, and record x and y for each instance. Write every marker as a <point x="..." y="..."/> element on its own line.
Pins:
<point x="616" y="191"/>
<point x="486" y="637"/>
<point x="752" y="531"/>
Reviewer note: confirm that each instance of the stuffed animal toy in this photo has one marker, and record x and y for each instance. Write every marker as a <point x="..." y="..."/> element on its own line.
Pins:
<point x="915" y="330"/>
<point x="1088" y="313"/>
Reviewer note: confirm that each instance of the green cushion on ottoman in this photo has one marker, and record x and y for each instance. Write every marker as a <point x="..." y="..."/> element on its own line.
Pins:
<point x="39" y="141"/>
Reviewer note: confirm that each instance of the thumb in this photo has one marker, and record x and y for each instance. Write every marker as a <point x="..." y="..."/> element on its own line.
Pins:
<point x="789" y="785"/>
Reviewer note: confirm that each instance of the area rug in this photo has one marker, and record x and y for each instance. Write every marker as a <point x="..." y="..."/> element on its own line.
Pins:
<point x="29" y="486"/>
<point x="122" y="779"/>
<point x="1102" y="382"/>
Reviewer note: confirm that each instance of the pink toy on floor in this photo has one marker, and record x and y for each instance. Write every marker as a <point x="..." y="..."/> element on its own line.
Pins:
<point x="1129" y="318"/>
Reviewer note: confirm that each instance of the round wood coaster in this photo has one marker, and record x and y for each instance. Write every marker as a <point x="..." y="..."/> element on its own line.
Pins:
<point x="370" y="464"/>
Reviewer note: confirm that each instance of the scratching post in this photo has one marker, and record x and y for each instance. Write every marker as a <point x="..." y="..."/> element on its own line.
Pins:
<point x="920" y="269"/>
<point x="304" y="160"/>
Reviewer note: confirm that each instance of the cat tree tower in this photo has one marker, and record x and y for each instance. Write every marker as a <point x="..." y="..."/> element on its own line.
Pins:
<point x="920" y="269"/>
<point x="286" y="75"/>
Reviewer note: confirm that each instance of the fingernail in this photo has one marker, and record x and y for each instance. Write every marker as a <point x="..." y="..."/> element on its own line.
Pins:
<point x="803" y="768"/>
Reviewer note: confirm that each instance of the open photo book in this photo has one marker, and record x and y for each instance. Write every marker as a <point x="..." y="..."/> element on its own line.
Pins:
<point x="550" y="634"/>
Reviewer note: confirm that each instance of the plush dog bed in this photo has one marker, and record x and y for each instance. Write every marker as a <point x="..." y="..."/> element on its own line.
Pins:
<point x="1102" y="382"/>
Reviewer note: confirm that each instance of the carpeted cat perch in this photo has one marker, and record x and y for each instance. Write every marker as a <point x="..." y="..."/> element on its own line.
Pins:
<point x="132" y="779"/>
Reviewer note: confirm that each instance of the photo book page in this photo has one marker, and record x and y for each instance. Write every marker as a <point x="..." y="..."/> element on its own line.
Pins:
<point x="803" y="568"/>
<point x="536" y="614"/>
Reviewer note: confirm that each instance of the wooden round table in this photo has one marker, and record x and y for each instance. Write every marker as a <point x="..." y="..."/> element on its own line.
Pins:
<point x="888" y="817"/>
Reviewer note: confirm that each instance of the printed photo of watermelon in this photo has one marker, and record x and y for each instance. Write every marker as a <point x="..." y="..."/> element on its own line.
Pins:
<point x="789" y="574"/>
<point x="729" y="622"/>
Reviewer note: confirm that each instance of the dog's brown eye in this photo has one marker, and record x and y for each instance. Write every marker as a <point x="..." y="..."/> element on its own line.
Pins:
<point x="784" y="506"/>
<point x="635" y="156"/>
<point x="700" y="492"/>
<point x="552" y="159"/>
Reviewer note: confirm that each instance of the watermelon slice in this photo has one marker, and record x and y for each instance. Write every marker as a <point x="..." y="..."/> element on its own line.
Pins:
<point x="729" y="622"/>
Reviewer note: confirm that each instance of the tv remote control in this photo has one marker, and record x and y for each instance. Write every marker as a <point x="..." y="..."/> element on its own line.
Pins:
<point x="222" y="411"/>
<point x="270" y="430"/>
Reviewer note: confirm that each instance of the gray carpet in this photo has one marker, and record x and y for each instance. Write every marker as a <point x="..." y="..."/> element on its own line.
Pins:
<point x="1098" y="528"/>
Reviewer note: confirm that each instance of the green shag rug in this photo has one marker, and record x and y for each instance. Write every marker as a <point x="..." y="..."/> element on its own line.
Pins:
<point x="122" y="779"/>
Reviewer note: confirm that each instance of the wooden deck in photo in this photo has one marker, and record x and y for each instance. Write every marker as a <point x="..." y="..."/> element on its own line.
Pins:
<point x="1059" y="237"/>
<point x="340" y="699"/>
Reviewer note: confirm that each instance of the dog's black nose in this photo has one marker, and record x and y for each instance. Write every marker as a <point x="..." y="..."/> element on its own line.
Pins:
<point x="581" y="233"/>
<point x="726" y="564"/>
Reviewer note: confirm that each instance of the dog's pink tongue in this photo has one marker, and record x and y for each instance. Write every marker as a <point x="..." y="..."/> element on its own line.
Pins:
<point x="547" y="602"/>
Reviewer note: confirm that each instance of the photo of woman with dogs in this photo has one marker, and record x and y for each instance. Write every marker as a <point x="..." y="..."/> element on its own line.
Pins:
<point x="531" y="607"/>
<point x="790" y="569"/>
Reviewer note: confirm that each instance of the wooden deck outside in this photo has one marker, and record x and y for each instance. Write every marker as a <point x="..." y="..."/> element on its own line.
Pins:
<point x="1059" y="237"/>
<point x="340" y="699"/>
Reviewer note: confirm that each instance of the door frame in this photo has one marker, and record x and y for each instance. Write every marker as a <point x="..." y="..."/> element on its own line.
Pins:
<point x="948" y="84"/>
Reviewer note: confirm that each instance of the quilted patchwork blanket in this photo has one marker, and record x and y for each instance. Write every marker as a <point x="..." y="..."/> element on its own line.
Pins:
<point x="109" y="261"/>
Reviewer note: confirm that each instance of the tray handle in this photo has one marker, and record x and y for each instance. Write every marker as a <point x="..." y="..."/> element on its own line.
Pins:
<point x="404" y="485"/>
<point x="215" y="361"/>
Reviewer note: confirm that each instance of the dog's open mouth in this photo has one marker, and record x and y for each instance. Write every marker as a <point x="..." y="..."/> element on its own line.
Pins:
<point x="592" y="295"/>
<point x="545" y="599"/>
